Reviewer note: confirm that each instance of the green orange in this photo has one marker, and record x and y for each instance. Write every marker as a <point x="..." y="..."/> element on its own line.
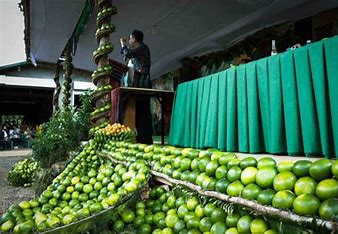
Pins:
<point x="305" y="185"/>
<point x="306" y="204"/>
<point x="283" y="199"/>
<point x="327" y="189"/>
<point x="284" y="181"/>
<point x="321" y="169"/>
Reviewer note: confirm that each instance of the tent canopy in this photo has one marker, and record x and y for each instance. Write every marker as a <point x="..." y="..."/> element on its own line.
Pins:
<point x="173" y="29"/>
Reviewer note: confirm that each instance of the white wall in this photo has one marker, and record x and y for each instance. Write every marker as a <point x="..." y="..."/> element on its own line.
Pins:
<point x="12" y="49"/>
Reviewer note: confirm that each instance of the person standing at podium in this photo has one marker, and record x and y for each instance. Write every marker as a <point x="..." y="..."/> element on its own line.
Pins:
<point x="139" y="54"/>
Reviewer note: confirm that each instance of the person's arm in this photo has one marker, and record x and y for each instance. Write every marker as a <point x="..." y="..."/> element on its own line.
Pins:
<point x="133" y="53"/>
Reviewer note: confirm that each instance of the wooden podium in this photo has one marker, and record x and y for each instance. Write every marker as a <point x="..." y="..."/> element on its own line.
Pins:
<point x="124" y="108"/>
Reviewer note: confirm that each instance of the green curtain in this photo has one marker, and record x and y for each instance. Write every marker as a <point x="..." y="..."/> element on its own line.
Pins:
<point x="287" y="103"/>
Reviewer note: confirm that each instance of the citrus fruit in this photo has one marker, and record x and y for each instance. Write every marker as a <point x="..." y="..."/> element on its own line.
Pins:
<point x="70" y="189"/>
<point x="26" y="227"/>
<point x="205" y="224"/>
<point x="223" y="160"/>
<point x="218" y="228"/>
<point x="326" y="189"/>
<point x="248" y="162"/>
<point x="67" y="219"/>
<point x="24" y="205"/>
<point x="271" y="231"/>
<point x="221" y="172"/>
<point x="232" y="219"/>
<point x="306" y="204"/>
<point x="218" y="215"/>
<point x="189" y="216"/>
<point x="251" y="191"/>
<point x="305" y="185"/>
<point x="284" y="181"/>
<point x="248" y="175"/>
<point x="222" y="185"/>
<point x="128" y="216"/>
<point x="53" y="221"/>
<point x="235" y="188"/>
<point x="193" y="223"/>
<point x="87" y="188"/>
<point x="157" y="217"/>
<point x="265" y="176"/>
<point x="203" y="163"/>
<point x="179" y="226"/>
<point x="182" y="210"/>
<point x="185" y="164"/>
<point x="192" y="203"/>
<point x="329" y="209"/>
<point x="75" y="180"/>
<point x="199" y="211"/>
<point x="301" y="168"/>
<point x="170" y="220"/>
<point x="321" y="169"/>
<point x="208" y="209"/>
<point x="211" y="168"/>
<point x="266" y="162"/>
<point x="243" y="224"/>
<point x="285" y="166"/>
<point x="283" y="199"/>
<point x="95" y="208"/>
<point x="118" y="226"/>
<point x="194" y="163"/>
<point x="167" y="231"/>
<point x="171" y="201"/>
<point x="265" y="196"/>
<point x="138" y="221"/>
<point x="258" y="226"/>
<point x="334" y="169"/>
<point x="233" y="162"/>
<point x="234" y="173"/>
<point x="7" y="226"/>
<point x="232" y="230"/>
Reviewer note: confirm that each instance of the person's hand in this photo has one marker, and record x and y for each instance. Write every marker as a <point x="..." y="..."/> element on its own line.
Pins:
<point x="123" y="41"/>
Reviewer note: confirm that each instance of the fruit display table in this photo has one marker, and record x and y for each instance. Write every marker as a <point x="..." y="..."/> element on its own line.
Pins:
<point x="123" y="104"/>
<point x="286" y="103"/>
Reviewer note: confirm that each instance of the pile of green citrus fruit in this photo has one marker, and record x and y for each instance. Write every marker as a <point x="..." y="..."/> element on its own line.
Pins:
<point x="305" y="187"/>
<point x="114" y="132"/>
<point x="164" y="213"/>
<point x="87" y="186"/>
<point x="23" y="173"/>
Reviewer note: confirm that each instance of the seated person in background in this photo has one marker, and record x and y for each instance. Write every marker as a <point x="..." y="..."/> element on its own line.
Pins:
<point x="14" y="136"/>
<point x="3" y="137"/>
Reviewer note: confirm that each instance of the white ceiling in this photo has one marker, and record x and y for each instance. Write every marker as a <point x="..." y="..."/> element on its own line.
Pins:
<point x="183" y="27"/>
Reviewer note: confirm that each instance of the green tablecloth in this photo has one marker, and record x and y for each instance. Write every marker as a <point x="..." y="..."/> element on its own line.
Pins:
<point x="287" y="103"/>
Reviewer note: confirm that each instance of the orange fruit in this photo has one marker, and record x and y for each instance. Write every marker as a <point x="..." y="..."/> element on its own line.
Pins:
<point x="301" y="168"/>
<point x="283" y="199"/>
<point x="248" y="175"/>
<point x="305" y="185"/>
<point x="243" y="224"/>
<point x="327" y="189"/>
<point x="284" y="181"/>
<point x="266" y="162"/>
<point x="306" y="204"/>
<point x="265" y="176"/>
<point x="235" y="188"/>
<point x="321" y="169"/>
<point x="258" y="226"/>
<point x="251" y="191"/>
<point x="329" y="209"/>
<point x="285" y="166"/>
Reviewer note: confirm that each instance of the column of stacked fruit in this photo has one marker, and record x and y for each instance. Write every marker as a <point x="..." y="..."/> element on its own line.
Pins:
<point x="67" y="67"/>
<point x="103" y="74"/>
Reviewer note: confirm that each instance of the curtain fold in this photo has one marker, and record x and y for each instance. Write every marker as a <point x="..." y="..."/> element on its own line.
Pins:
<point x="286" y="103"/>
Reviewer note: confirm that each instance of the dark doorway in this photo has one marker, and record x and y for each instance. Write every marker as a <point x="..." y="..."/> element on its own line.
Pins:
<point x="32" y="103"/>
